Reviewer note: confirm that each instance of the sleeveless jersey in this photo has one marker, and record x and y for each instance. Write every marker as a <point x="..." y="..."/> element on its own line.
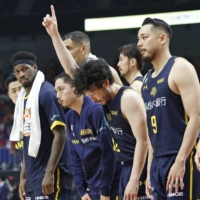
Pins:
<point x="166" y="118"/>
<point x="120" y="131"/>
<point x="138" y="78"/>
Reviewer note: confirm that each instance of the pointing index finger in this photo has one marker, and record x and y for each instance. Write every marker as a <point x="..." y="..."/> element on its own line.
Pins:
<point x="53" y="13"/>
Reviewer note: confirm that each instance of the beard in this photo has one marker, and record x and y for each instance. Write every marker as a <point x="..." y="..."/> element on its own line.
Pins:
<point x="27" y="85"/>
<point x="149" y="58"/>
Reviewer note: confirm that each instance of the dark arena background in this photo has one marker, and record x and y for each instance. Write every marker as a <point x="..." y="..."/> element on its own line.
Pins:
<point x="21" y="29"/>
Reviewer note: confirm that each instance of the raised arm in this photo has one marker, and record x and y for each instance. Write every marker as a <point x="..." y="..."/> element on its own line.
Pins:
<point x="183" y="80"/>
<point x="133" y="109"/>
<point x="66" y="59"/>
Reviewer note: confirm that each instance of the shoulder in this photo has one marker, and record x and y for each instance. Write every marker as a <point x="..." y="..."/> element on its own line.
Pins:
<point x="137" y="85"/>
<point x="129" y="94"/>
<point x="180" y="63"/>
<point x="68" y="116"/>
<point x="182" y="68"/>
<point x="47" y="90"/>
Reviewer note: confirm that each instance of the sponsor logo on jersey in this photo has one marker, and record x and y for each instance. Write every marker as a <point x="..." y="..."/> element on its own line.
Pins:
<point x="161" y="80"/>
<point x="175" y="194"/>
<point x="153" y="92"/>
<point x="114" y="112"/>
<point x="86" y="132"/>
<point x="117" y="131"/>
<point x="54" y="116"/>
<point x="41" y="197"/>
<point x="162" y="101"/>
<point x="19" y="145"/>
<point x="108" y="116"/>
<point x="88" y="139"/>
<point x="27" y="121"/>
<point x="75" y="141"/>
<point x="145" y="87"/>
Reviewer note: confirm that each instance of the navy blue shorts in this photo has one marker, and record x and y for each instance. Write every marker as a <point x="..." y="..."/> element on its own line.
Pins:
<point x="159" y="171"/>
<point x="125" y="176"/>
<point x="64" y="194"/>
<point x="62" y="187"/>
<point x="95" y="194"/>
<point x="98" y="198"/>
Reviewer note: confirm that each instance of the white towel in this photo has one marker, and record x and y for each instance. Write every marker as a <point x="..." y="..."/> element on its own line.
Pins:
<point x="91" y="57"/>
<point x="32" y="104"/>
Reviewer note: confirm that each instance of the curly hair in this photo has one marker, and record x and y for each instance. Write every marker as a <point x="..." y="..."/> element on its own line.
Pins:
<point x="92" y="74"/>
<point x="23" y="55"/>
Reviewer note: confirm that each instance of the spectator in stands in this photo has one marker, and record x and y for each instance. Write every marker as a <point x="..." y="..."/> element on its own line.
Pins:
<point x="3" y="188"/>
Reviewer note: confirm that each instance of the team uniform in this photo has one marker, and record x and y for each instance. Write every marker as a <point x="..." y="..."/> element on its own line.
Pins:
<point x="95" y="169"/>
<point x="19" y="149"/>
<point x="138" y="78"/>
<point x="167" y="122"/>
<point x="51" y="115"/>
<point x="123" y="142"/>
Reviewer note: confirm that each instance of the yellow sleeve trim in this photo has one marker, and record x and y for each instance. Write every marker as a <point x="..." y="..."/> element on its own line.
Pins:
<point x="26" y="97"/>
<point x="138" y="81"/>
<point x="56" y="123"/>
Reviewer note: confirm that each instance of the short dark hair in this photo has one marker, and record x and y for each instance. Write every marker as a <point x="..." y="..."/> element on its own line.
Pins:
<point x="66" y="78"/>
<point x="11" y="78"/>
<point x="132" y="51"/>
<point x="78" y="37"/>
<point x="159" y="23"/>
<point x="23" y="55"/>
<point x="90" y="74"/>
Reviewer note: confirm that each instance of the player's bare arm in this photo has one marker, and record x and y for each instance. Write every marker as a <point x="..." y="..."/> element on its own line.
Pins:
<point x="137" y="85"/>
<point x="135" y="114"/>
<point x="22" y="184"/>
<point x="197" y="156"/>
<point x="150" y="158"/>
<point x="56" y="151"/>
<point x="183" y="80"/>
<point x="66" y="59"/>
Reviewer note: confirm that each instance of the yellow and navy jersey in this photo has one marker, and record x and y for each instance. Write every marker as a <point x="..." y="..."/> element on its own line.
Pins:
<point x="19" y="146"/>
<point x="51" y="115"/>
<point x="93" y="160"/>
<point x="121" y="134"/>
<point x="138" y="78"/>
<point x="166" y="118"/>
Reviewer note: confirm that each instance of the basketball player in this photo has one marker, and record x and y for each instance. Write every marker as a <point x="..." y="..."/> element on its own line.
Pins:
<point x="93" y="161"/>
<point x="128" y="132"/>
<point x="135" y="124"/>
<point x="48" y="175"/>
<point x="14" y="86"/>
<point x="130" y="65"/>
<point x="77" y="43"/>
<point x="171" y="93"/>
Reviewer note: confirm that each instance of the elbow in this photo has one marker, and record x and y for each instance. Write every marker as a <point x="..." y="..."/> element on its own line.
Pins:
<point x="196" y="121"/>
